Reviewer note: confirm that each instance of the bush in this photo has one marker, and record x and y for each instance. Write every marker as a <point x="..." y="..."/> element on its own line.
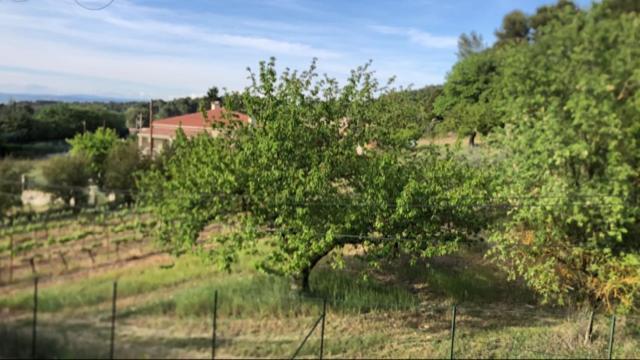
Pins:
<point x="122" y="163"/>
<point x="68" y="177"/>
<point x="10" y="185"/>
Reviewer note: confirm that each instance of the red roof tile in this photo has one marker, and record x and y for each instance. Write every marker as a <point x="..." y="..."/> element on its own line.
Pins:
<point x="194" y="123"/>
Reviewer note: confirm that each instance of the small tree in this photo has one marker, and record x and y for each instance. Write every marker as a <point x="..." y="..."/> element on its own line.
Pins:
<point x="213" y="94"/>
<point x="515" y="28"/>
<point x="95" y="146"/>
<point x="466" y="103"/>
<point x="122" y="163"/>
<point x="470" y="44"/>
<point x="67" y="177"/>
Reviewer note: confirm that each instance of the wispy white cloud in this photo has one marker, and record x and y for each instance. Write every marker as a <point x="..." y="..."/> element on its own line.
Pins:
<point x="419" y="37"/>
<point x="131" y="48"/>
<point x="143" y="24"/>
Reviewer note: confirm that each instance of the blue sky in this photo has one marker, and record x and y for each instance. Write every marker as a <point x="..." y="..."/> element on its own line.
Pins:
<point x="169" y="48"/>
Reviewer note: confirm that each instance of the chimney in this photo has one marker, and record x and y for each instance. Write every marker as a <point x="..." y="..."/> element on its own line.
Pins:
<point x="215" y="105"/>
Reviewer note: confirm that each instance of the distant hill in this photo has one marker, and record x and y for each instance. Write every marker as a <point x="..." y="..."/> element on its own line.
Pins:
<point x="6" y="97"/>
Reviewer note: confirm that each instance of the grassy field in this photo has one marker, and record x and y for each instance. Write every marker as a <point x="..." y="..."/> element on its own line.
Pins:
<point x="164" y="304"/>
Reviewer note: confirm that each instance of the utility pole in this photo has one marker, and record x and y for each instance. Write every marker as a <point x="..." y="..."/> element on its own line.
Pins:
<point x="151" y="128"/>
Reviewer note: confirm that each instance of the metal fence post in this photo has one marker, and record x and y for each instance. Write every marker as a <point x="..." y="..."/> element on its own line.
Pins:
<point x="304" y="341"/>
<point x="324" y="316"/>
<point x="215" y="318"/>
<point x="453" y="330"/>
<point x="611" y="335"/>
<point x="587" y="337"/>
<point x="113" y="319"/>
<point x="35" y="318"/>
<point x="11" y="255"/>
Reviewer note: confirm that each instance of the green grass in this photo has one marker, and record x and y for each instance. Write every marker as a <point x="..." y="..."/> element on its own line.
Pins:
<point x="350" y="292"/>
<point x="164" y="310"/>
<point x="188" y="287"/>
<point x="96" y="290"/>
<point x="262" y="295"/>
<point x="475" y="285"/>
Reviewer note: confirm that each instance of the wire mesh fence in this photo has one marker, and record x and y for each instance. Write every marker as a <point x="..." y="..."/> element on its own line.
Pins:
<point x="111" y="327"/>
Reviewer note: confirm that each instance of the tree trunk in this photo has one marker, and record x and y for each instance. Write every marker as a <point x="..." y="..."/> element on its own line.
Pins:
<point x="303" y="277"/>
<point x="304" y="281"/>
<point x="472" y="138"/>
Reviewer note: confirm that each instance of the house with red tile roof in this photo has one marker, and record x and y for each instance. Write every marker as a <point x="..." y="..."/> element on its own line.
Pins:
<point x="161" y="133"/>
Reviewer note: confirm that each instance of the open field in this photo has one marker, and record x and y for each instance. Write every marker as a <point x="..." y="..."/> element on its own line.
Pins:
<point x="164" y="303"/>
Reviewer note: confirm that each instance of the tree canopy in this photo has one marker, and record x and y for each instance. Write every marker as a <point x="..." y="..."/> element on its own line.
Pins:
<point x="558" y="96"/>
<point x="466" y="104"/>
<point x="304" y="182"/>
<point x="571" y="159"/>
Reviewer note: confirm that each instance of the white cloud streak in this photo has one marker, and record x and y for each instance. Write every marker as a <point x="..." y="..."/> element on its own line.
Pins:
<point x="419" y="37"/>
<point x="128" y="49"/>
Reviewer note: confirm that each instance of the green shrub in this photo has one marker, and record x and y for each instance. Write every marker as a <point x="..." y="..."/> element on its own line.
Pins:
<point x="122" y="163"/>
<point x="10" y="186"/>
<point x="67" y="177"/>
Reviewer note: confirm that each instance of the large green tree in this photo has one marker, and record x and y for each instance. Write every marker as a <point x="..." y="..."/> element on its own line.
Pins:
<point x="302" y="181"/>
<point x="562" y="11"/>
<point x="466" y="103"/>
<point x="572" y="159"/>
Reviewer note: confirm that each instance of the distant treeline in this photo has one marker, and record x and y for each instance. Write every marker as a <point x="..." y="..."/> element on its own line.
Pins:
<point x="35" y="121"/>
<point x="42" y="121"/>
<point x="29" y="122"/>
